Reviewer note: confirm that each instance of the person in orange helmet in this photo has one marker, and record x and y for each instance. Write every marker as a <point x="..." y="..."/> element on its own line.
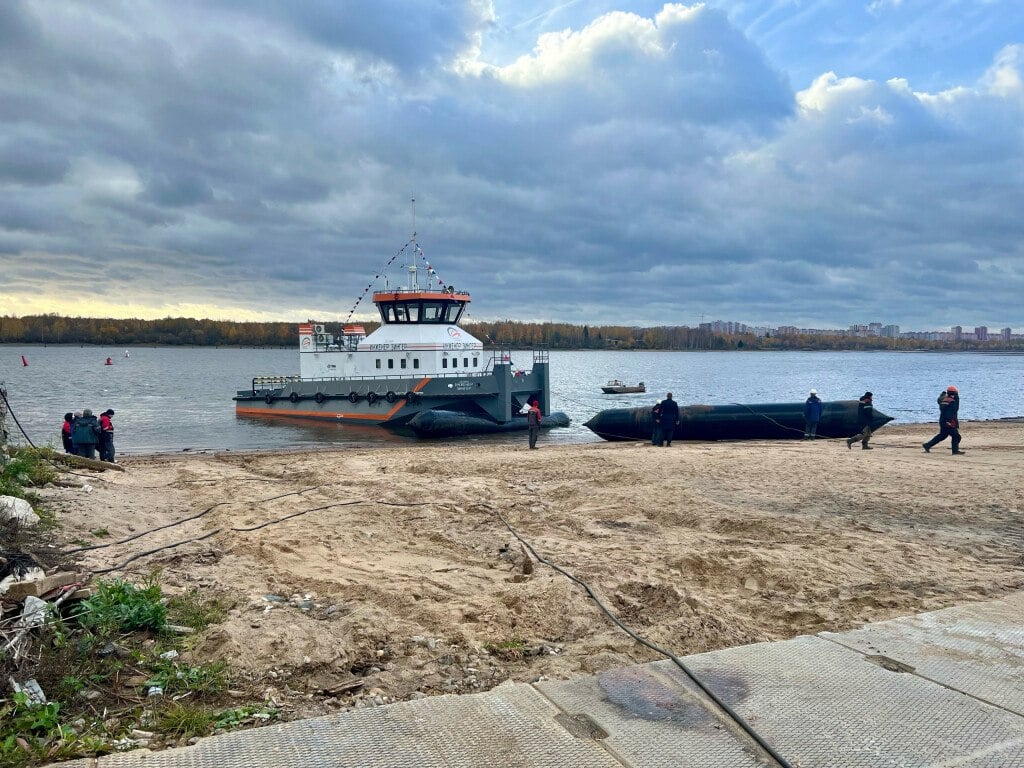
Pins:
<point x="949" y="421"/>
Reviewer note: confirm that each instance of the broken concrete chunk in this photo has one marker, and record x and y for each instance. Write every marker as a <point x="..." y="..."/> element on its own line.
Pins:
<point x="13" y="508"/>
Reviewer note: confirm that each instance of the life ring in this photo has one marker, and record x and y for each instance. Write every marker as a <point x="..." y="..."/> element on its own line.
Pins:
<point x="391" y="397"/>
<point x="371" y="397"/>
<point x="410" y="397"/>
<point x="353" y="397"/>
<point x="294" y="397"/>
<point x="319" y="397"/>
<point x="269" y="399"/>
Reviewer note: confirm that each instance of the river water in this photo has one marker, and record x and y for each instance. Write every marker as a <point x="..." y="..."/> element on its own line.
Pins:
<point x="170" y="399"/>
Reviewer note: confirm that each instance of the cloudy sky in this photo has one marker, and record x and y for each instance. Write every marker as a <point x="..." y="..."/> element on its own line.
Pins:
<point x="807" y="162"/>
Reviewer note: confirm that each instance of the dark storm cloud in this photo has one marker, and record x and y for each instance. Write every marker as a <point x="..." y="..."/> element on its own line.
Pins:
<point x="259" y="157"/>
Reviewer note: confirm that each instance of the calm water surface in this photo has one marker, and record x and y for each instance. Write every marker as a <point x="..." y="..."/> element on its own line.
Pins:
<point x="170" y="399"/>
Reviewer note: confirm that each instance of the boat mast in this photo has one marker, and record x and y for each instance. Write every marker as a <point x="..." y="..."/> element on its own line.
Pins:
<point x="414" y="283"/>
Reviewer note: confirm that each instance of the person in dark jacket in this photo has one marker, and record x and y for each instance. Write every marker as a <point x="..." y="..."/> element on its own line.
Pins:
<point x="668" y="418"/>
<point x="656" y="437"/>
<point x="533" y="422"/>
<point x="65" y="433"/>
<point x="86" y="434"/>
<point x="812" y="415"/>
<point x="865" y="415"/>
<point x="949" y="421"/>
<point x="107" y="436"/>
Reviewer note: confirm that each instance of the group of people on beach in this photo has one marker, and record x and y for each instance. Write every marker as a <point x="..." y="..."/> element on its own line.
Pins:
<point x="949" y="424"/>
<point x="82" y="434"/>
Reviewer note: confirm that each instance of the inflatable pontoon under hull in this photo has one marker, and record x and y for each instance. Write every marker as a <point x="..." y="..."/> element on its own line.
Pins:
<point x="442" y="423"/>
<point x="768" y="421"/>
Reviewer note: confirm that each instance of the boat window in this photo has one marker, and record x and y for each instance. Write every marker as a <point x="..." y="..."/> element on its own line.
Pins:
<point x="401" y="315"/>
<point x="474" y="362"/>
<point x="444" y="362"/>
<point x="465" y="362"/>
<point x="403" y="362"/>
<point x="415" y="362"/>
<point x="455" y="362"/>
<point x="452" y="312"/>
<point x="431" y="312"/>
<point x="378" y="362"/>
<point x="391" y="362"/>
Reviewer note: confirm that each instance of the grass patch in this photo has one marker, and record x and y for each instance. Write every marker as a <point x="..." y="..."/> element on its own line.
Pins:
<point x="177" y="677"/>
<point x="100" y="533"/>
<point x="509" y="650"/>
<point x="183" y="721"/>
<point x="27" y="468"/>
<point x="195" y="610"/>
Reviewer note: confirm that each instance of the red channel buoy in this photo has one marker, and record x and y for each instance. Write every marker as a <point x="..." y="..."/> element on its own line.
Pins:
<point x="24" y="362"/>
<point x="109" y="361"/>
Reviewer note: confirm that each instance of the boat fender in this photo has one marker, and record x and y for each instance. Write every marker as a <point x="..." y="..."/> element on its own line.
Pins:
<point x="371" y="397"/>
<point x="319" y="397"/>
<point x="391" y="397"/>
<point x="410" y="397"/>
<point x="294" y="397"/>
<point x="353" y="397"/>
<point x="269" y="399"/>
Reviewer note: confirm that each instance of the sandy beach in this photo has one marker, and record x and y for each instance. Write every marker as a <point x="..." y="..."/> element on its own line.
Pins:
<point x="364" y="576"/>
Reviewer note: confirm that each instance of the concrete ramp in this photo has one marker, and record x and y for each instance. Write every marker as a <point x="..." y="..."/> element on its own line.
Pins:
<point x="936" y="690"/>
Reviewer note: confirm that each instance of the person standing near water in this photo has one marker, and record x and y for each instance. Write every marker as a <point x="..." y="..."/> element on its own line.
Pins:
<point x="949" y="421"/>
<point x="86" y="434"/>
<point x="65" y="433"/>
<point x="812" y="415"/>
<point x="533" y="423"/>
<point x="668" y="418"/>
<point x="107" y="436"/>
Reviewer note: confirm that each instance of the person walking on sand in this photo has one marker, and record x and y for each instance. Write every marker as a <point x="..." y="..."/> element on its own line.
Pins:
<point x="949" y="421"/>
<point x="533" y="423"/>
<point x="812" y="415"/>
<point x="865" y="415"/>
<point x="668" y="418"/>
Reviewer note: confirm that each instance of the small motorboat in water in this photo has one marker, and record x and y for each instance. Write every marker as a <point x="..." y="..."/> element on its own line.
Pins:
<point x="616" y="387"/>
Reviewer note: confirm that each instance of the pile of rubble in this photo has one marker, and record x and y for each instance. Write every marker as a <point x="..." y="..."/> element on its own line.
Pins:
<point x="29" y="597"/>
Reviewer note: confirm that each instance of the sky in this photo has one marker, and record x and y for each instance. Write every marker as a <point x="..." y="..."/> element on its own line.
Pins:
<point x="815" y="163"/>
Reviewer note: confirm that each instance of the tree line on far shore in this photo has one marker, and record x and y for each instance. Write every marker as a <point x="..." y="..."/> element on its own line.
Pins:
<point x="186" y="331"/>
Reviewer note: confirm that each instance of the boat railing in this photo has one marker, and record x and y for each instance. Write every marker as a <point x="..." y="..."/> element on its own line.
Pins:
<point x="272" y="382"/>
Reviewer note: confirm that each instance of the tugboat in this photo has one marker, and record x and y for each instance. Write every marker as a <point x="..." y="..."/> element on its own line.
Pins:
<point x="419" y="370"/>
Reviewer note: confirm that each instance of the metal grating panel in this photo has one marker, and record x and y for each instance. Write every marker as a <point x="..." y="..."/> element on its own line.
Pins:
<point x="819" y="704"/>
<point x="651" y="721"/>
<point x="511" y="726"/>
<point x="977" y="649"/>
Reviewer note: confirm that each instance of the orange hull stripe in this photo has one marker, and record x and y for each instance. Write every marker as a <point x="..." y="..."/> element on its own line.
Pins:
<point x="327" y="414"/>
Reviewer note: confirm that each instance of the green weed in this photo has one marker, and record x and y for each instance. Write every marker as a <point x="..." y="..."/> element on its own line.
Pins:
<point x="176" y="677"/>
<point x="119" y="606"/>
<point x="182" y="721"/>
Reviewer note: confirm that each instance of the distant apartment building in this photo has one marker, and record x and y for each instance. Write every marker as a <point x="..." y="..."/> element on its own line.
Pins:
<point x="891" y="332"/>
<point x="981" y="333"/>
<point x="957" y="332"/>
<point x="1006" y="334"/>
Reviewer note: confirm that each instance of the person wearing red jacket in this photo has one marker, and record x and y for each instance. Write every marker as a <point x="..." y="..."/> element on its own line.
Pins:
<point x="533" y="422"/>
<point x="107" y="436"/>
<point x="65" y="434"/>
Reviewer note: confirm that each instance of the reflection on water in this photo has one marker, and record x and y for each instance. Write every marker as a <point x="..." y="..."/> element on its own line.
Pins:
<point x="170" y="399"/>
